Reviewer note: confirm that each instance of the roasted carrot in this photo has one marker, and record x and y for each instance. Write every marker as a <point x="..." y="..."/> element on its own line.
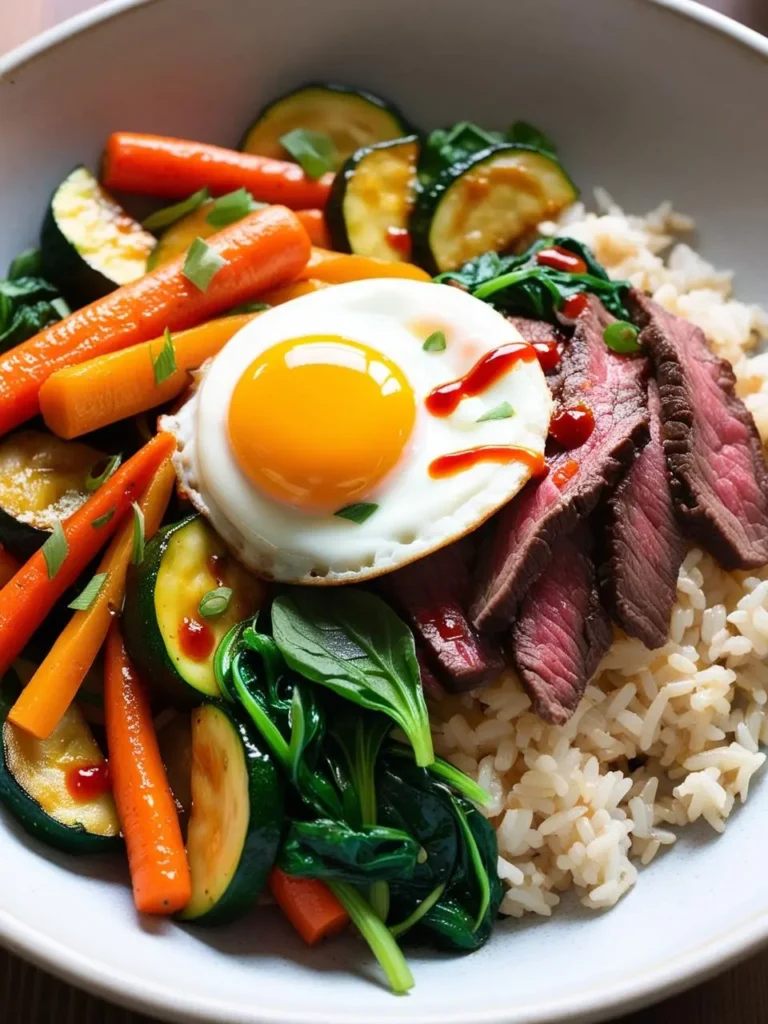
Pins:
<point x="315" y="226"/>
<point x="265" y="249"/>
<point x="286" y="292"/>
<point x="339" y="267"/>
<point x="53" y="687"/>
<point x="9" y="566"/>
<point x="309" y="905"/>
<point x="28" y="597"/>
<point x="145" y="805"/>
<point x="157" y="165"/>
<point x="100" y="391"/>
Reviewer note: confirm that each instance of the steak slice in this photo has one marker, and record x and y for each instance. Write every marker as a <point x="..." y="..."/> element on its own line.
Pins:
<point x="537" y="330"/>
<point x="562" y="630"/>
<point x="431" y="593"/>
<point x="521" y="539"/>
<point x="644" y="545"/>
<point x="717" y="468"/>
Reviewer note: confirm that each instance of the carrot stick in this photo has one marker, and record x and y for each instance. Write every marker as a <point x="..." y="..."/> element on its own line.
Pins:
<point x="157" y="165"/>
<point x="9" y="566"/>
<point x="267" y="248"/>
<point x="286" y="292"/>
<point x="27" y="598"/>
<point x="53" y="687"/>
<point x="145" y="806"/>
<point x="339" y="267"/>
<point x="82" y="398"/>
<point x="309" y="905"/>
<point x="315" y="226"/>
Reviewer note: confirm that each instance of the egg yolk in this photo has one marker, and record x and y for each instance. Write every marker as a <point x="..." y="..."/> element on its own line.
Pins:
<point x="318" y="421"/>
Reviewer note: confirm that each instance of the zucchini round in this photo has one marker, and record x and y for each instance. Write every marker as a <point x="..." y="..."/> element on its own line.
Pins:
<point x="33" y="784"/>
<point x="166" y="637"/>
<point x="237" y="815"/>
<point x="177" y="237"/>
<point x="370" y="204"/>
<point x="350" y="118"/>
<point x="89" y="245"/>
<point x="42" y="479"/>
<point x="486" y="204"/>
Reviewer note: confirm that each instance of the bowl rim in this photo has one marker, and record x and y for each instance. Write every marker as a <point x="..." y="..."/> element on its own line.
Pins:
<point x="654" y="983"/>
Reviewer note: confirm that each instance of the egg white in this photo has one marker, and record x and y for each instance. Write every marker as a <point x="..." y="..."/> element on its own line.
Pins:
<point x="416" y="514"/>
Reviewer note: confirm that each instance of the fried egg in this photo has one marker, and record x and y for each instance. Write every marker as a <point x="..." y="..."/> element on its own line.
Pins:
<point x="353" y="430"/>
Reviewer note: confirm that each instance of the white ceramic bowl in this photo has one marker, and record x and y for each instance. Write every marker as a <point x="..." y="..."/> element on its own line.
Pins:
<point x="651" y="99"/>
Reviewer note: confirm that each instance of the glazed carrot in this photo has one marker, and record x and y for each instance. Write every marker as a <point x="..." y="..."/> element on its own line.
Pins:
<point x="309" y="905"/>
<point x="315" y="226"/>
<point x="157" y="165"/>
<point x="79" y="399"/>
<point x="53" y="687"/>
<point x="339" y="267"/>
<point x="28" y="597"/>
<point x="286" y="292"/>
<point x="145" y="805"/>
<point x="265" y="249"/>
<point x="9" y="566"/>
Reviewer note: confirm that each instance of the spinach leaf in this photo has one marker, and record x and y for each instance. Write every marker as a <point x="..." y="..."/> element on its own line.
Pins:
<point x="528" y="135"/>
<point x="446" y="147"/>
<point x="353" y="643"/>
<point x="518" y="284"/>
<point x="27" y="303"/>
<point x="333" y="849"/>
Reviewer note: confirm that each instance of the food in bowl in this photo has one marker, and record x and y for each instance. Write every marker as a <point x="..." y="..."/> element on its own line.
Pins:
<point x="436" y="584"/>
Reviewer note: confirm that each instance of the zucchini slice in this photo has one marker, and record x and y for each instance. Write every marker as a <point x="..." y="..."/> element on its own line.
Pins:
<point x="42" y="479"/>
<point x="165" y="634"/>
<point x="36" y="779"/>
<point x="351" y="119"/>
<point x="177" y="237"/>
<point x="371" y="200"/>
<point x="237" y="815"/>
<point x="89" y="244"/>
<point x="486" y="204"/>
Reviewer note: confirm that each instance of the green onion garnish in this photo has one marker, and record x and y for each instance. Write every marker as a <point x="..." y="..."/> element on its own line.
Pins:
<point x="85" y="599"/>
<point x="137" y="554"/>
<point x="314" y="152"/>
<point x="502" y="411"/>
<point x="232" y="207"/>
<point x="165" y="363"/>
<point x="55" y="549"/>
<point x="102" y="520"/>
<point x="358" y="512"/>
<point x="202" y="264"/>
<point x="215" y="602"/>
<point x="435" y="342"/>
<point x="170" y="214"/>
<point x="622" y="337"/>
<point x="94" y="480"/>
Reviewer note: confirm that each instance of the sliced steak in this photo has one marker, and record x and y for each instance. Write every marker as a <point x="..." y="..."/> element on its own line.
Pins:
<point x="718" y="473"/>
<point x="562" y="630"/>
<point x="537" y="330"/>
<point x="522" y="536"/>
<point x="431" y="594"/>
<point x="644" y="544"/>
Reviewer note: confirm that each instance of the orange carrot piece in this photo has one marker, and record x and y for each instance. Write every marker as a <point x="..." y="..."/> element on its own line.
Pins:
<point x="91" y="395"/>
<point x="309" y="905"/>
<point x="265" y="249"/>
<point x="28" y="597"/>
<point x="286" y="292"/>
<point x="315" y="226"/>
<point x="148" y="818"/>
<point x="169" y="168"/>
<point x="9" y="566"/>
<point x="340" y="267"/>
<point x="53" y="687"/>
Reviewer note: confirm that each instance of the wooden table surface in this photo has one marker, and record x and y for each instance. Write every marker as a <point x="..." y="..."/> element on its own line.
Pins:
<point x="29" y="996"/>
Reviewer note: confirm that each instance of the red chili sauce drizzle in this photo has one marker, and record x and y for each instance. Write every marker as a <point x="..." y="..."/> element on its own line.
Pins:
<point x="548" y="353"/>
<point x="457" y="462"/>
<point x="575" y="306"/>
<point x="88" y="781"/>
<point x="400" y="240"/>
<point x="564" y="473"/>
<point x="445" y="399"/>
<point x="196" y="639"/>
<point x="572" y="427"/>
<point x="561" y="259"/>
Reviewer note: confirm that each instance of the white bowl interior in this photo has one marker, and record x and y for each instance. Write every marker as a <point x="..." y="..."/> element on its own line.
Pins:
<point x="642" y="100"/>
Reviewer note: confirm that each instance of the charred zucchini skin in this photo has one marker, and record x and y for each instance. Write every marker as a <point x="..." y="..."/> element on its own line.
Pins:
<point x="380" y="108"/>
<point x="77" y="276"/>
<point x="28" y="812"/>
<point x="265" y="804"/>
<point x="334" y="211"/>
<point x="430" y="198"/>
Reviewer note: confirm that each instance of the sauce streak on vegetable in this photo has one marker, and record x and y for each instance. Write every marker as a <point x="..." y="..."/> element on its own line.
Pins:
<point x="572" y="427"/>
<point x="445" y="399"/>
<point x="548" y="353"/>
<point x="564" y="473"/>
<point x="88" y="781"/>
<point x="196" y="639"/>
<point x="561" y="259"/>
<point x="400" y="240"/>
<point x="457" y="462"/>
<point x="575" y="306"/>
